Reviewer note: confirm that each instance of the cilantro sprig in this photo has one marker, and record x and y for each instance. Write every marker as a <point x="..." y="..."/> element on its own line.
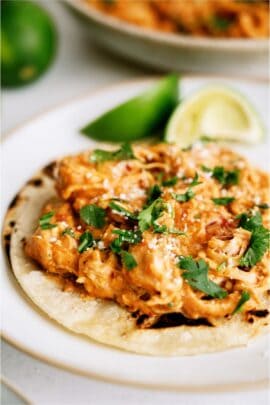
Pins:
<point x="86" y="241"/>
<point x="124" y="153"/>
<point x="125" y="237"/>
<point x="223" y="200"/>
<point x="44" y="221"/>
<point x="122" y="211"/>
<point x="259" y="241"/>
<point x="245" y="296"/>
<point x="153" y="193"/>
<point x="225" y="177"/>
<point x="93" y="215"/>
<point x="189" y="194"/>
<point x="128" y="260"/>
<point x="150" y="214"/>
<point x="170" y="182"/>
<point x="196" y="275"/>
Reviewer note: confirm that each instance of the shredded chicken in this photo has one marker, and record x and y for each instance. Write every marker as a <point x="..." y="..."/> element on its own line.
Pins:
<point x="197" y="227"/>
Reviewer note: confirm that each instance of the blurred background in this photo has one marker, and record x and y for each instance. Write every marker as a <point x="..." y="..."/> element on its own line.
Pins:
<point x="76" y="50"/>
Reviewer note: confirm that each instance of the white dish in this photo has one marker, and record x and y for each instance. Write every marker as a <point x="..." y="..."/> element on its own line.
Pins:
<point x="248" y="57"/>
<point x="33" y="146"/>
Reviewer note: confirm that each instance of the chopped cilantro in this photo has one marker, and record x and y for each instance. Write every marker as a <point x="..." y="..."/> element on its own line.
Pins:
<point x="153" y="193"/>
<point x="195" y="181"/>
<point x="188" y="195"/>
<point x="259" y="241"/>
<point x="263" y="206"/>
<point x="128" y="260"/>
<point x="205" y="169"/>
<point x="244" y="298"/>
<point x="124" y="153"/>
<point x="44" y="221"/>
<point x="121" y="210"/>
<point x="170" y="182"/>
<point x="86" y="241"/>
<point x="93" y="215"/>
<point x="68" y="231"/>
<point x="148" y="216"/>
<point x="128" y="236"/>
<point x="220" y="23"/>
<point x="196" y="274"/>
<point x="223" y="200"/>
<point x="225" y="177"/>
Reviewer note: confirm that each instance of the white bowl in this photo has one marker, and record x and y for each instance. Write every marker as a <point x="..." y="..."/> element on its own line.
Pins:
<point x="167" y="51"/>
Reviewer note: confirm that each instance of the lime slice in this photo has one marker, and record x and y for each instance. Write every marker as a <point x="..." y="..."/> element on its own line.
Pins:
<point x="139" y="117"/>
<point x="28" y="42"/>
<point x="218" y="113"/>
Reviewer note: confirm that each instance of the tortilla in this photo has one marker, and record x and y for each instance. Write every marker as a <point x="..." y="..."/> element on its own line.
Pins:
<point x="105" y="321"/>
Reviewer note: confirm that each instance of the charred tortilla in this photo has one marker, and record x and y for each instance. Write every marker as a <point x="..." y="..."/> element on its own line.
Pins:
<point x="65" y="300"/>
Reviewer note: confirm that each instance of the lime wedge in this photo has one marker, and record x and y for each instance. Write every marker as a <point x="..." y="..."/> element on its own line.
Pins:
<point x="138" y="117"/>
<point x="215" y="112"/>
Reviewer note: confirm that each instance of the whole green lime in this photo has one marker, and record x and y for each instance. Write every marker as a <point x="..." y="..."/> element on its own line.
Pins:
<point x="28" y="42"/>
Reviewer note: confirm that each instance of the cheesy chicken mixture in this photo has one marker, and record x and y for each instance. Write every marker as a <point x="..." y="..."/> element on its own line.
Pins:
<point x="160" y="230"/>
<point x="210" y="18"/>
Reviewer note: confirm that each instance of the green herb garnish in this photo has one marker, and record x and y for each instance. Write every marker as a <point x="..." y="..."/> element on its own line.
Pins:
<point x="128" y="236"/>
<point x="122" y="211"/>
<point x="244" y="298"/>
<point x="153" y="193"/>
<point x="259" y="241"/>
<point x="225" y="177"/>
<point x="151" y="213"/>
<point x="195" y="181"/>
<point x="44" y="221"/>
<point x="223" y="200"/>
<point x="196" y="274"/>
<point x="93" y="215"/>
<point x="188" y="195"/>
<point x="128" y="260"/>
<point x="86" y="241"/>
<point x="220" y="23"/>
<point x="170" y="182"/>
<point x="68" y="231"/>
<point x="124" y="153"/>
<point x="263" y="206"/>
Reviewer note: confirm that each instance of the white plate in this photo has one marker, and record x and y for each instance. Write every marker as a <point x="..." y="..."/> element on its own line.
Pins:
<point x="46" y="138"/>
<point x="174" y="51"/>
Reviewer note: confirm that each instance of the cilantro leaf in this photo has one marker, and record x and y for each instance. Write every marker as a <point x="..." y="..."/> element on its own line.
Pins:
<point x="153" y="193"/>
<point x="121" y="210"/>
<point x="128" y="236"/>
<point x="124" y="153"/>
<point x="170" y="182"/>
<point x="128" y="260"/>
<point x="259" y="241"/>
<point x="44" y="221"/>
<point x="220" y="23"/>
<point x="196" y="274"/>
<point x="223" y="200"/>
<point x="86" y="240"/>
<point x="188" y="195"/>
<point x="93" y="215"/>
<point x="225" y="177"/>
<point x="68" y="231"/>
<point x="147" y="216"/>
<point x="195" y="181"/>
<point x="263" y="206"/>
<point x="250" y="222"/>
<point x="244" y="298"/>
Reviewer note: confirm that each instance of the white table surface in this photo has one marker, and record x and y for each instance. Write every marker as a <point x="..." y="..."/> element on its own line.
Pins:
<point x="80" y="68"/>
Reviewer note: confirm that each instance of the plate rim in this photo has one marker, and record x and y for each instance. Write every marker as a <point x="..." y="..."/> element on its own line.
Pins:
<point x="247" y="386"/>
<point x="224" y="44"/>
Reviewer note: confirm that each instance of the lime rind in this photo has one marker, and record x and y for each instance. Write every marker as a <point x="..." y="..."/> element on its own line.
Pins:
<point x="217" y="112"/>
